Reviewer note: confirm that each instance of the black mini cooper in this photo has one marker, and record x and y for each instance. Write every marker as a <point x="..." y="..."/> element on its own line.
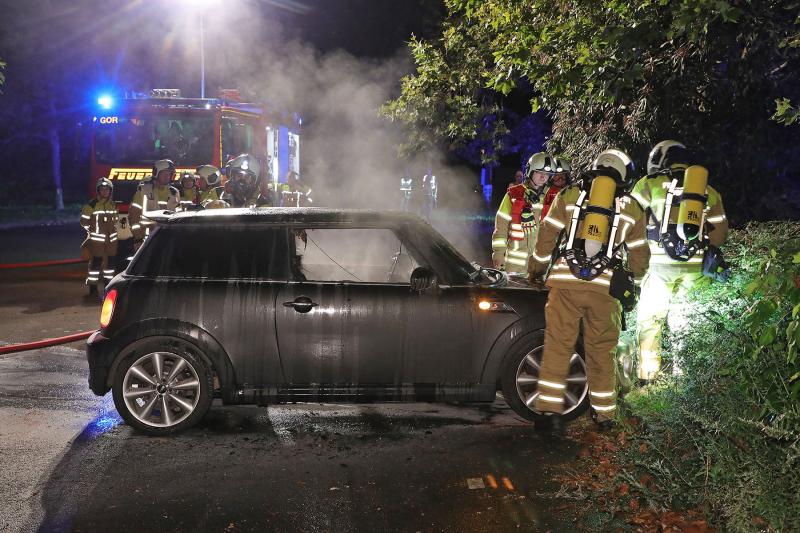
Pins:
<point x="273" y="305"/>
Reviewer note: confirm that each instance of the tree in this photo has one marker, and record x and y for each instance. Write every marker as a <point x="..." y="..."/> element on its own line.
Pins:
<point x="624" y="73"/>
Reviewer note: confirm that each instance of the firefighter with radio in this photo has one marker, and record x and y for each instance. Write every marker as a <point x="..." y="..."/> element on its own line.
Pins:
<point x="602" y="255"/>
<point x="154" y="193"/>
<point x="520" y="212"/>
<point x="244" y="174"/>
<point x="686" y="227"/>
<point x="99" y="218"/>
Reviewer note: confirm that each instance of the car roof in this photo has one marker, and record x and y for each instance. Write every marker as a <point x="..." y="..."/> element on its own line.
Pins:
<point x="287" y="215"/>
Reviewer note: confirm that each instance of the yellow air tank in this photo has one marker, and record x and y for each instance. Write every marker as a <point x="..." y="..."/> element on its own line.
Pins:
<point x="690" y="213"/>
<point x="595" y="225"/>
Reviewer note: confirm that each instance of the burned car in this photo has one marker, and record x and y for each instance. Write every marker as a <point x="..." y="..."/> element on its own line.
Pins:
<point x="273" y="305"/>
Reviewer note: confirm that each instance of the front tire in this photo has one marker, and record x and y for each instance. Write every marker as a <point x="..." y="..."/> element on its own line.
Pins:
<point x="162" y="386"/>
<point x="519" y="376"/>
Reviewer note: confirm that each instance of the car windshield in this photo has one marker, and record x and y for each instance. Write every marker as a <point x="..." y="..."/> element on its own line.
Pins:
<point x="187" y="140"/>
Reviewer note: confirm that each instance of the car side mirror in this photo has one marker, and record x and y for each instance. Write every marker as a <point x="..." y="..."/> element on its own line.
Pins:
<point x="422" y="279"/>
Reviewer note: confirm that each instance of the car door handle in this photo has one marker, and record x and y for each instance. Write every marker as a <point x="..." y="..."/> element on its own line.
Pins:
<point x="301" y="304"/>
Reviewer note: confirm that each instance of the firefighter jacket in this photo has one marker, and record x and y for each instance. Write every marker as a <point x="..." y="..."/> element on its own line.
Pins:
<point x="298" y="197"/>
<point x="630" y="242"/>
<point x="515" y="226"/>
<point x="191" y="198"/>
<point x="256" y="199"/>
<point x="651" y="193"/>
<point x="148" y="197"/>
<point x="99" y="218"/>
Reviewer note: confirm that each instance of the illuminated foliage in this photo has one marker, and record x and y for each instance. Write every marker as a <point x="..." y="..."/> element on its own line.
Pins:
<point x="620" y="72"/>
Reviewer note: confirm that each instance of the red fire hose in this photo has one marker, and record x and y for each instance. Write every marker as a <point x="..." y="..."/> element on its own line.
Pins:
<point x="5" y="266"/>
<point x="13" y="348"/>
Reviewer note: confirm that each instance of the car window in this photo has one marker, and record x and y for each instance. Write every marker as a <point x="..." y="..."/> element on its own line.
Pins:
<point x="211" y="252"/>
<point x="349" y="254"/>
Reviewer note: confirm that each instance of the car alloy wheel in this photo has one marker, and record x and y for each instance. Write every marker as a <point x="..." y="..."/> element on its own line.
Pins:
<point x="161" y="389"/>
<point x="527" y="381"/>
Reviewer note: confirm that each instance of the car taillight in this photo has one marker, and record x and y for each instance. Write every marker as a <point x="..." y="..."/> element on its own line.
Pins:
<point x="108" y="308"/>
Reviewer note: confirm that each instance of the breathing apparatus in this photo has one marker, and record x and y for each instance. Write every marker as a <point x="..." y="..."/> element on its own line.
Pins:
<point x="592" y="251"/>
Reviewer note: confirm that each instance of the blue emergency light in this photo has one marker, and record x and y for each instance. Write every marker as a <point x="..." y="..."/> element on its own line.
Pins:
<point x="105" y="101"/>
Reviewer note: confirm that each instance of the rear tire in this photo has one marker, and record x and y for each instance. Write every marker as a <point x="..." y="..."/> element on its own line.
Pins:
<point x="519" y="374"/>
<point x="162" y="386"/>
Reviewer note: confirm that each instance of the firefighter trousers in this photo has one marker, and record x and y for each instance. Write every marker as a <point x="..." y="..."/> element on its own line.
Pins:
<point x="100" y="267"/>
<point x="663" y="292"/>
<point x="601" y="315"/>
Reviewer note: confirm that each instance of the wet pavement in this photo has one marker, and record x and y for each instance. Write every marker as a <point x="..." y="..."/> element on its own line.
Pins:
<point x="68" y="463"/>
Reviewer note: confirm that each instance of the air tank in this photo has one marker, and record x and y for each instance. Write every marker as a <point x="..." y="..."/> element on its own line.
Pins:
<point x="596" y="225"/>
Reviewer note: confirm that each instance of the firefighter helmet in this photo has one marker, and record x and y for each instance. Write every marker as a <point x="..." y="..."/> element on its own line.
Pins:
<point x="187" y="180"/>
<point x="104" y="182"/>
<point x="617" y="164"/>
<point x="163" y="164"/>
<point x="661" y="154"/>
<point x="244" y="164"/>
<point x="541" y="161"/>
<point x="560" y="164"/>
<point x="209" y="173"/>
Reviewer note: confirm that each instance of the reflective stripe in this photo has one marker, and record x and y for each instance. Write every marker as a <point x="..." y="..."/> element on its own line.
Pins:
<point x="554" y="222"/>
<point x="630" y="220"/>
<point x="542" y="259"/>
<point x="517" y="234"/>
<point x="599" y="281"/>
<point x="516" y="226"/>
<point x="602" y="407"/>
<point x="716" y="219"/>
<point x="551" y="399"/>
<point x="85" y="216"/>
<point x="639" y="198"/>
<point x="503" y="215"/>
<point x="499" y="242"/>
<point x="518" y="262"/>
<point x="602" y="394"/>
<point x="552" y="385"/>
<point x="134" y="204"/>
<point x="667" y="260"/>
<point x="518" y="253"/>
<point x="636" y="244"/>
<point x="135" y="226"/>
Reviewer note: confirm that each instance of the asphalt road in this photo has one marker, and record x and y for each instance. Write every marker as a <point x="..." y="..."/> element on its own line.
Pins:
<point x="68" y="463"/>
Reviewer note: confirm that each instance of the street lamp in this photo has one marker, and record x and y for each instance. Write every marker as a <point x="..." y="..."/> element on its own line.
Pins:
<point x="202" y="5"/>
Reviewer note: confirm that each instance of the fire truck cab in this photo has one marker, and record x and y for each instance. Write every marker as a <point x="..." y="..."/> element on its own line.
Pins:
<point x="130" y="135"/>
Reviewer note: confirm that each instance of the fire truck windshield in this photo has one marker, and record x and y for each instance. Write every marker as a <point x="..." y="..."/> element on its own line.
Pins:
<point x="188" y="141"/>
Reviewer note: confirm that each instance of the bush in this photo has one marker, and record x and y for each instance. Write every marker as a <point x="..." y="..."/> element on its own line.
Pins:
<point x="725" y="435"/>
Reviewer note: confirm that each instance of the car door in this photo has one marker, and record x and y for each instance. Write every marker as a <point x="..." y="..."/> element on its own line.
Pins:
<point x="345" y="319"/>
<point x="354" y="318"/>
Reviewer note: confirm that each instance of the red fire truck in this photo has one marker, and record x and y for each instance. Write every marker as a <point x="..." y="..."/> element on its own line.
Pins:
<point x="130" y="134"/>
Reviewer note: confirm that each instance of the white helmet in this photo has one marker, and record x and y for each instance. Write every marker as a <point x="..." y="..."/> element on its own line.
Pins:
<point x="163" y="164"/>
<point x="104" y="182"/>
<point x="210" y="173"/>
<point x="245" y="163"/>
<point x="658" y="155"/>
<point x="621" y="167"/>
<point x="539" y="162"/>
<point x="560" y="164"/>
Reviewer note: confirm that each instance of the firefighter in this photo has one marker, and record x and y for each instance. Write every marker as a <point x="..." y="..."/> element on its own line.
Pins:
<point x="208" y="184"/>
<point x="678" y="260"/>
<point x="154" y="193"/>
<point x="599" y="228"/>
<point x="189" y="193"/>
<point x="294" y="193"/>
<point x="99" y="218"/>
<point x="406" y="190"/>
<point x="244" y="173"/>
<point x="520" y="212"/>
<point x="430" y="193"/>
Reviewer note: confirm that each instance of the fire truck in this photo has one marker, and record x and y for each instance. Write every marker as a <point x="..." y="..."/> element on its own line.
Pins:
<point x="129" y="135"/>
